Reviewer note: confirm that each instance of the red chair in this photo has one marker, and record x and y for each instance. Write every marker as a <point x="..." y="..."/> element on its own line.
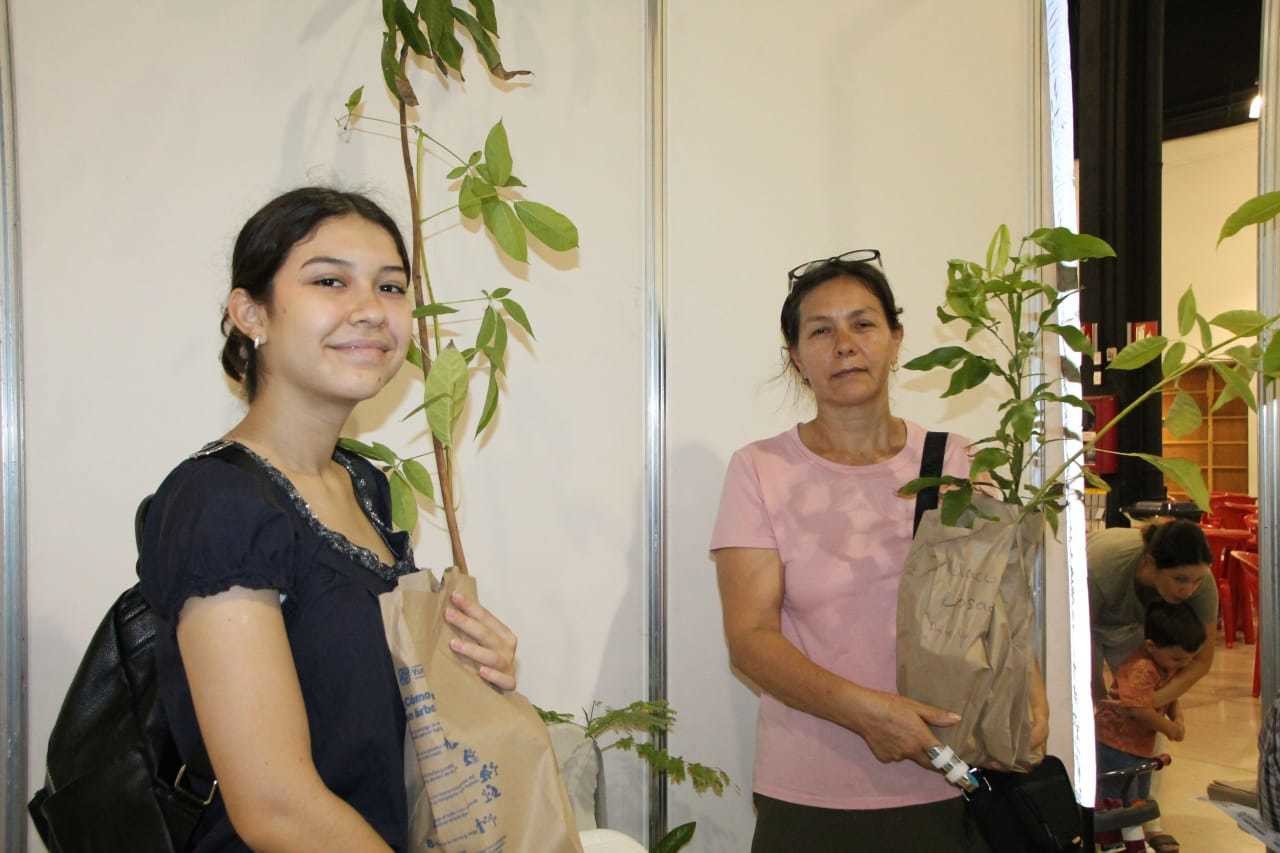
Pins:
<point x="1247" y="563"/>
<point x="1241" y="569"/>
<point x="1222" y="539"/>
<point x="1227" y="509"/>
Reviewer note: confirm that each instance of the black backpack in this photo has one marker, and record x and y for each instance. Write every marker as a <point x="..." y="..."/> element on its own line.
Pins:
<point x="116" y="779"/>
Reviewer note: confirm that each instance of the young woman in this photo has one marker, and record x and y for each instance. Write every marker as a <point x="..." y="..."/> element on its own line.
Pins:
<point x="810" y="543"/>
<point x="264" y="553"/>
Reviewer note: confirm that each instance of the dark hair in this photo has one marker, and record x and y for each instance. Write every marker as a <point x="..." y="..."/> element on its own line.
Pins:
<point x="867" y="273"/>
<point x="1174" y="625"/>
<point x="1176" y="543"/>
<point x="263" y="244"/>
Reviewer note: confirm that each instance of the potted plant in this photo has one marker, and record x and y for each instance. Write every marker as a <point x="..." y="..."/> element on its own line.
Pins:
<point x="964" y="608"/>
<point x="484" y="188"/>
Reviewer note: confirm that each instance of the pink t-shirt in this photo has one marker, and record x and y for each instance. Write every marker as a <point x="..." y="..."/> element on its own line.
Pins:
<point x="843" y="534"/>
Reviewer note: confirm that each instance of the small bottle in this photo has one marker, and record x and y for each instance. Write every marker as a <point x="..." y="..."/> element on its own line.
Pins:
<point x="954" y="768"/>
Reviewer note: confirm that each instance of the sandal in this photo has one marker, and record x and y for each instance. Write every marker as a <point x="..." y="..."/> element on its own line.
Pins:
<point x="1163" y="843"/>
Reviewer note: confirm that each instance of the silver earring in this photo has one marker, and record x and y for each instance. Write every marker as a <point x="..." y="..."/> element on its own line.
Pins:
<point x="257" y="342"/>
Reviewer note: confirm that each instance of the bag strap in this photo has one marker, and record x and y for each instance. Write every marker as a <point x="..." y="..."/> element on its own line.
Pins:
<point x="935" y="449"/>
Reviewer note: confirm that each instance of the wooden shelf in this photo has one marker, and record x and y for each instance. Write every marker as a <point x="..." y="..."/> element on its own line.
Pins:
<point x="1220" y="443"/>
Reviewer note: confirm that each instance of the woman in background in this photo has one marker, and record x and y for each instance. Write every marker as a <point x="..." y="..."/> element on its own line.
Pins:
<point x="264" y="554"/>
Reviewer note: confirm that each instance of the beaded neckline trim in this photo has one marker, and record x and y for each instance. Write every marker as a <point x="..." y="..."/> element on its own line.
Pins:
<point x="356" y="553"/>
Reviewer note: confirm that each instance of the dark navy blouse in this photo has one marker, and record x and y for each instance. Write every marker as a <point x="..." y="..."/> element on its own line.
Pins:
<point x="213" y="525"/>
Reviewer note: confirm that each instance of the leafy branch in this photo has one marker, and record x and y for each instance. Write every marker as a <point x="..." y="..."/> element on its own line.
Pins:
<point x="990" y="299"/>
<point x="485" y="189"/>
<point x="644" y="719"/>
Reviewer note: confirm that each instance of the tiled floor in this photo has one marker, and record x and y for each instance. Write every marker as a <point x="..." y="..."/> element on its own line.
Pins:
<point x="1222" y="743"/>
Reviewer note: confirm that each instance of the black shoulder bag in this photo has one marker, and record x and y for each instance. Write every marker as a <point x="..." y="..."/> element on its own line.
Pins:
<point x="1015" y="812"/>
<point x="115" y="778"/>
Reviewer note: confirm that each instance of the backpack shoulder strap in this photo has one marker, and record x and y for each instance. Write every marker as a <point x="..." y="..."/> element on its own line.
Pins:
<point x="935" y="449"/>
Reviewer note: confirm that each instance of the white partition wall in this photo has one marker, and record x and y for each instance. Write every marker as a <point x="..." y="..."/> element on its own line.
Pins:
<point x="836" y="125"/>
<point x="149" y="132"/>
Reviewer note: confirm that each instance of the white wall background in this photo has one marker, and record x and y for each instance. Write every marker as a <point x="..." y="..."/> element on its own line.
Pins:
<point x="905" y="126"/>
<point x="149" y="131"/>
<point x="1206" y="177"/>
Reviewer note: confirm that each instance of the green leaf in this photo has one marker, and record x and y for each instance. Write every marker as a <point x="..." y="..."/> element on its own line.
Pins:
<point x="1184" y="416"/>
<point x="1064" y="245"/>
<point x="361" y="448"/>
<point x="497" y="154"/>
<point x="389" y="13"/>
<point x="498" y="293"/>
<point x="1271" y="358"/>
<point x="1051" y="516"/>
<point x="487" y="324"/>
<point x="384" y="453"/>
<point x="414" y="354"/>
<point x="438" y="16"/>
<point x="1138" y="353"/>
<point x="404" y="509"/>
<point x="1096" y="481"/>
<point x="998" y="251"/>
<point x="456" y="172"/>
<point x="676" y="839"/>
<point x="468" y="201"/>
<point x="1256" y="210"/>
<point x="446" y="393"/>
<point x="1245" y="357"/>
<point x="944" y="317"/>
<point x="484" y="44"/>
<point x="954" y="503"/>
<point x="407" y="22"/>
<point x="920" y="483"/>
<point x="548" y="224"/>
<point x="1206" y="334"/>
<point x="941" y="357"/>
<point x="490" y="401"/>
<point x="1237" y="385"/>
<point x="485" y="15"/>
<point x="353" y="100"/>
<point x="475" y="158"/>
<point x="1021" y="418"/>
<point x="1173" y="358"/>
<point x="496" y="351"/>
<point x="972" y="373"/>
<point x="1241" y="321"/>
<point x="482" y="170"/>
<point x="516" y="312"/>
<point x="1074" y="337"/>
<point x="1185" y="473"/>
<point x="513" y="181"/>
<point x="506" y="229"/>
<point x="1069" y="369"/>
<point x="987" y="459"/>
<point x="391" y="73"/>
<point x="418" y="476"/>
<point x="1186" y="312"/>
<point x="433" y="309"/>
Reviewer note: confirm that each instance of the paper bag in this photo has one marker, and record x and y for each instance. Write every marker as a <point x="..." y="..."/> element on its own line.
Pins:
<point x="965" y="619"/>
<point x="480" y="772"/>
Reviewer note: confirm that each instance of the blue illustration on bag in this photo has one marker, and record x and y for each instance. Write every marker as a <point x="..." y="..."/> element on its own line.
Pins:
<point x="469" y="757"/>
<point x="488" y="772"/>
<point x="491" y="793"/>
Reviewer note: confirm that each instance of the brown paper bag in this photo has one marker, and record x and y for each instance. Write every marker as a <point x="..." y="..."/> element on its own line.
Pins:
<point x="965" y="631"/>
<point x="480" y="771"/>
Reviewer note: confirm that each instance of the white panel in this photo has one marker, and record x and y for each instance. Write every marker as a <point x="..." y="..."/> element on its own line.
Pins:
<point x="1205" y="178"/>
<point x="795" y="134"/>
<point x="150" y="131"/>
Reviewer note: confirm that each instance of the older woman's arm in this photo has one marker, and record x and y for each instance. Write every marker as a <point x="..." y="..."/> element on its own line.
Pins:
<point x="249" y="706"/>
<point x="751" y="585"/>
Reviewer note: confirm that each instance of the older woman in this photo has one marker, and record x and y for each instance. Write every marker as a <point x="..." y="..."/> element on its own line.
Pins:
<point x="810" y="543"/>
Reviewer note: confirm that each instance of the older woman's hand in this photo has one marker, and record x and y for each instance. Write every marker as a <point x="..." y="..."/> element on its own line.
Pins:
<point x="490" y="643"/>
<point x="897" y="728"/>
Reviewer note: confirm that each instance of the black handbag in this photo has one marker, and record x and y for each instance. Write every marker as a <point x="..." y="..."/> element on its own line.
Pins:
<point x="1015" y="812"/>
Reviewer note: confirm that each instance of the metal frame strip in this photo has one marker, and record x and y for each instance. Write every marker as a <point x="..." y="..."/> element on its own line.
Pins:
<point x="1268" y="405"/>
<point x="13" y="586"/>
<point x="656" y="385"/>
